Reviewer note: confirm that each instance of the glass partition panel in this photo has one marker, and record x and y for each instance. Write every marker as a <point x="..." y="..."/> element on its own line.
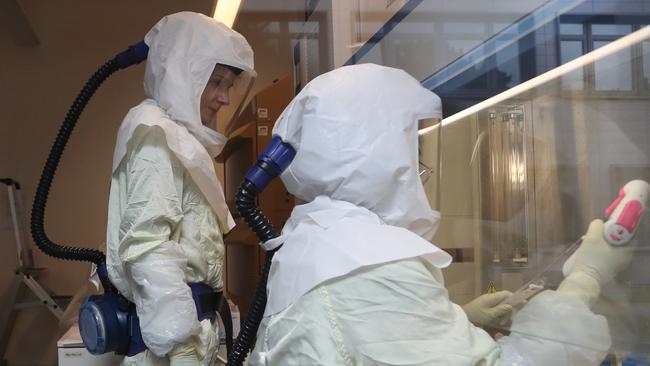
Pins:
<point x="525" y="172"/>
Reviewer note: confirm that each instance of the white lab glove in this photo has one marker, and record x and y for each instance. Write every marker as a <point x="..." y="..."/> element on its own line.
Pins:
<point x="184" y="354"/>
<point x="597" y="262"/>
<point x="199" y="350"/>
<point x="487" y="309"/>
<point x="208" y="342"/>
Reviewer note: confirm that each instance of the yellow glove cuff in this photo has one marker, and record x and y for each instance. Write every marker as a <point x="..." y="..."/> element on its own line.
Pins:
<point x="581" y="286"/>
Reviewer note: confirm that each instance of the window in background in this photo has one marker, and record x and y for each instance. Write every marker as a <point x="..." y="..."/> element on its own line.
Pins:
<point x="614" y="72"/>
<point x="569" y="50"/>
<point x="626" y="72"/>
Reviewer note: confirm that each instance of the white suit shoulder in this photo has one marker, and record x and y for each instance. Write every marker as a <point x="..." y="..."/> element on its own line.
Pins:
<point x="349" y="314"/>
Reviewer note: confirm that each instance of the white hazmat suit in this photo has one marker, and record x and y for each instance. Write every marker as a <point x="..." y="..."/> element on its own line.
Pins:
<point x="167" y="210"/>
<point x="357" y="281"/>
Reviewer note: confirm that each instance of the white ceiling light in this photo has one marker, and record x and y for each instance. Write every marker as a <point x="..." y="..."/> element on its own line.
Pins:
<point x="226" y="11"/>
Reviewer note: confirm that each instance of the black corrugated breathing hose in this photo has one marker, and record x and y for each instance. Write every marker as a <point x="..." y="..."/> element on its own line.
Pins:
<point x="40" y="200"/>
<point x="245" y="203"/>
<point x="133" y="55"/>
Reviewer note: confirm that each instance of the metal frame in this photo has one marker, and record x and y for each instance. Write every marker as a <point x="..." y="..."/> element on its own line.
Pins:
<point x="17" y="297"/>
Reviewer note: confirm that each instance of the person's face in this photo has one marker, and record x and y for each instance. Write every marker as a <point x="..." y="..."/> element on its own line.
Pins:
<point x="215" y="94"/>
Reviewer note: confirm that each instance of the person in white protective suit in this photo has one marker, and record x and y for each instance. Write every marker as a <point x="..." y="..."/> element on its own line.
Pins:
<point x="357" y="281"/>
<point x="167" y="211"/>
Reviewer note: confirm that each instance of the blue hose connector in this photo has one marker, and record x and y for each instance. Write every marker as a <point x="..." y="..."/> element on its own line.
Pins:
<point x="273" y="161"/>
<point x="133" y="55"/>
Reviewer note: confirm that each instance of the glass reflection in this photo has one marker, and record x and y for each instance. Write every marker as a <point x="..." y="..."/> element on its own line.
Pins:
<point x="524" y="172"/>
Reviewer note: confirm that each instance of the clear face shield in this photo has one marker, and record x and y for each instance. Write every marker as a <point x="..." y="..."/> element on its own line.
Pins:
<point x="239" y="96"/>
<point x="429" y="158"/>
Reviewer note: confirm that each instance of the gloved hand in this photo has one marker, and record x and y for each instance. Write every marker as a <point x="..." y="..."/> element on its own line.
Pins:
<point x="597" y="262"/>
<point x="208" y="344"/>
<point x="198" y="350"/>
<point x="487" y="310"/>
<point x="184" y="354"/>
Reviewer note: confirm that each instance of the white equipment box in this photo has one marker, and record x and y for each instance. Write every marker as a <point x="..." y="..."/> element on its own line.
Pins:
<point x="73" y="353"/>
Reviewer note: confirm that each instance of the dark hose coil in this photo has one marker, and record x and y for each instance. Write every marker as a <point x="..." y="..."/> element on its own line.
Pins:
<point x="245" y="203"/>
<point x="40" y="200"/>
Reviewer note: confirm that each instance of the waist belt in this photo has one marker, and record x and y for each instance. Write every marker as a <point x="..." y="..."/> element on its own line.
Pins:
<point x="206" y="300"/>
<point x="208" y="303"/>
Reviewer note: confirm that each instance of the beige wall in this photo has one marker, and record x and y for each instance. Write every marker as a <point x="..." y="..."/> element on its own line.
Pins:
<point x="37" y="84"/>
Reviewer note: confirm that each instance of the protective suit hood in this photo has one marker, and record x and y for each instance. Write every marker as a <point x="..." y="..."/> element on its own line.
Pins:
<point x="183" y="50"/>
<point x="355" y="132"/>
<point x="358" y="126"/>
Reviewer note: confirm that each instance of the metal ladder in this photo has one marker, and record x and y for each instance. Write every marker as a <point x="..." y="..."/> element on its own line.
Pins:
<point x="16" y="296"/>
